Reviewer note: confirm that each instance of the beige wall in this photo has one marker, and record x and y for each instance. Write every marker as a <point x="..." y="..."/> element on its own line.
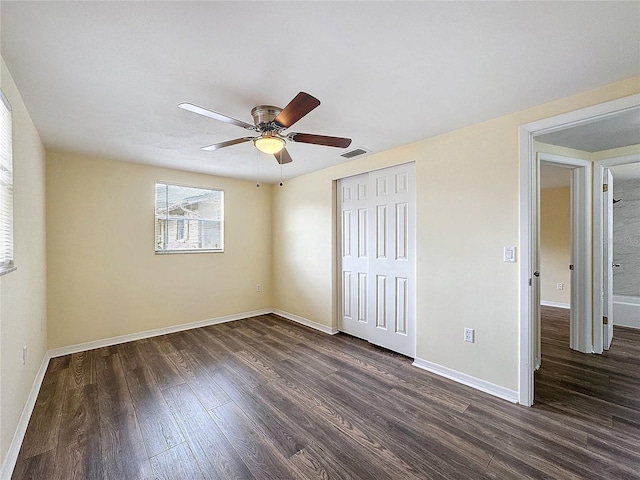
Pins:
<point x="555" y="244"/>
<point x="23" y="291"/>
<point x="616" y="152"/>
<point x="105" y="280"/>
<point x="467" y="211"/>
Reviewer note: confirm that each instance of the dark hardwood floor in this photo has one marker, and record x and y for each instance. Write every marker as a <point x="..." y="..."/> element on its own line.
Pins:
<point x="267" y="398"/>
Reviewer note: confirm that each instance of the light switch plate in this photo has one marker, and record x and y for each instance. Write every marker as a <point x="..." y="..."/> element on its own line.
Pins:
<point x="510" y="254"/>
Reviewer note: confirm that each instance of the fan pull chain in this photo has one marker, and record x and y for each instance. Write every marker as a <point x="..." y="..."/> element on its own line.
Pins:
<point x="258" y="170"/>
<point x="281" y="184"/>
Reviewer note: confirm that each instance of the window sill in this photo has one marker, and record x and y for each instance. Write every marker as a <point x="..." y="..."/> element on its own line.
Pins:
<point x="7" y="270"/>
<point x="174" y="252"/>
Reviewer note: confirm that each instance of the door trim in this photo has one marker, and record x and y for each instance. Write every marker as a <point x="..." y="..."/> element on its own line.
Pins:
<point x="598" y="245"/>
<point x="527" y="211"/>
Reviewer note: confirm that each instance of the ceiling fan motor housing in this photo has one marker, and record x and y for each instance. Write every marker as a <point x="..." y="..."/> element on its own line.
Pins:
<point x="263" y="116"/>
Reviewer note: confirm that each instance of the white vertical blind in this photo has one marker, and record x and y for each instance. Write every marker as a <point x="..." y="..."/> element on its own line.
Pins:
<point x="6" y="187"/>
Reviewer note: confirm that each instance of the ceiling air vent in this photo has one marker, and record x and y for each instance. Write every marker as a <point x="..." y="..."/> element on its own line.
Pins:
<point x="354" y="153"/>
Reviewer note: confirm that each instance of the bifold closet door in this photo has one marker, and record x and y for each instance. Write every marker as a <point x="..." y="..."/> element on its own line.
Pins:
<point x="378" y="257"/>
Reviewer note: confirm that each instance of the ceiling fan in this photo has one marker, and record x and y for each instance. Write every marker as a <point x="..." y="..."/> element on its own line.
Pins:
<point x="269" y="123"/>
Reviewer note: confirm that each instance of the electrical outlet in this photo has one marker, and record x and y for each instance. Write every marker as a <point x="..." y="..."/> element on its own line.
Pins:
<point x="559" y="286"/>
<point x="24" y="355"/>
<point x="469" y="335"/>
<point x="258" y="288"/>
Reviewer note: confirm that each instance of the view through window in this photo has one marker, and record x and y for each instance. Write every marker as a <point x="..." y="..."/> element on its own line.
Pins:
<point x="189" y="219"/>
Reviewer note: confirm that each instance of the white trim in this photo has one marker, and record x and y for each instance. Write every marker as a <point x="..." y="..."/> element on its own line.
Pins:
<point x="10" y="459"/>
<point x="463" y="378"/>
<point x="526" y="133"/>
<point x="81" y="347"/>
<point x="306" y="322"/>
<point x="555" y="304"/>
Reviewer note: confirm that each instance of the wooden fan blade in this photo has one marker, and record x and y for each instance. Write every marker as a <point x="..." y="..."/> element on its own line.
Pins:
<point x="215" y="115"/>
<point x="297" y="108"/>
<point x="283" y="157"/>
<point x="228" y="143"/>
<point x="320" y="140"/>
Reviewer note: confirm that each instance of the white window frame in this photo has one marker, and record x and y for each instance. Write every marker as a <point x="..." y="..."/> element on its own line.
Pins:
<point x="6" y="188"/>
<point x="187" y="222"/>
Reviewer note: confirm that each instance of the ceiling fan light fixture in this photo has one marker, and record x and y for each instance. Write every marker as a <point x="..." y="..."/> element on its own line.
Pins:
<point x="269" y="144"/>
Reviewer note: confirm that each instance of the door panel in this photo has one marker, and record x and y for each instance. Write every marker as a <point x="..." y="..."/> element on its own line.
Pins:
<point x="353" y="201"/>
<point x="393" y="266"/>
<point x="383" y="271"/>
<point x="607" y="268"/>
<point x="535" y="274"/>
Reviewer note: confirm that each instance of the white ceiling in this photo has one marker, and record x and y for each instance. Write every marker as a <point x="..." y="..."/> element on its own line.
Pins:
<point x="614" y="131"/>
<point x="105" y="78"/>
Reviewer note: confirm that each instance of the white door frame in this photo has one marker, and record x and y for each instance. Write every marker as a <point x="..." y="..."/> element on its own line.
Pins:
<point x="598" y="245"/>
<point x="528" y="215"/>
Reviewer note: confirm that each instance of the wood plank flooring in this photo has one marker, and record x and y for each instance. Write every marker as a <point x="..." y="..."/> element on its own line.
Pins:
<point x="266" y="398"/>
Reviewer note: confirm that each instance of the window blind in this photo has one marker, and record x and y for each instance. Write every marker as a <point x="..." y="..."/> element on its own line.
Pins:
<point x="6" y="186"/>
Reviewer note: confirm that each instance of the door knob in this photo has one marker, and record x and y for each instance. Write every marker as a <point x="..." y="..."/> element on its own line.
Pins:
<point x="536" y="273"/>
<point x="616" y="265"/>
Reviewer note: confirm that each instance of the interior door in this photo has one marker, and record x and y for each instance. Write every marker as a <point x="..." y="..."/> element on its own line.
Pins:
<point x="377" y="240"/>
<point x="392" y="259"/>
<point x="353" y="199"/>
<point x="535" y="277"/>
<point x="607" y="267"/>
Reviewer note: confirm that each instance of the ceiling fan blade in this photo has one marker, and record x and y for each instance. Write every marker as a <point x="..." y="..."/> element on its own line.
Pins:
<point x="297" y="108"/>
<point x="228" y="143"/>
<point x="319" y="139"/>
<point x="283" y="157"/>
<point x="215" y="115"/>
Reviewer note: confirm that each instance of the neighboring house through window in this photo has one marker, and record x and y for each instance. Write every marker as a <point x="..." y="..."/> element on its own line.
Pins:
<point x="189" y="219"/>
<point x="6" y="187"/>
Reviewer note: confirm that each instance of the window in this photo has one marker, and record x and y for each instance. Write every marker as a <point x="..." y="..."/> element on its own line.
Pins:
<point x="180" y="230"/>
<point x="189" y="219"/>
<point x="6" y="188"/>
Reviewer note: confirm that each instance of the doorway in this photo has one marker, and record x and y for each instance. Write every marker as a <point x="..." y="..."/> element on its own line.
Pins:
<point x="376" y="232"/>
<point x="578" y="174"/>
<point x="555" y="246"/>
<point x="529" y="287"/>
<point x="616" y="246"/>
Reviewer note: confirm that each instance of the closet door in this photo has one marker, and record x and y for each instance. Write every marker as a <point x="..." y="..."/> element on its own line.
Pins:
<point x="392" y="259"/>
<point x="353" y="193"/>
<point x="377" y="233"/>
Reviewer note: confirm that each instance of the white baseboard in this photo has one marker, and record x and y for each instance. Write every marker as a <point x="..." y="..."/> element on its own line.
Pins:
<point x="6" y="470"/>
<point x="306" y="322"/>
<point x="555" y="304"/>
<point x="11" y="457"/>
<point x="478" y="384"/>
<point x="81" y="347"/>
